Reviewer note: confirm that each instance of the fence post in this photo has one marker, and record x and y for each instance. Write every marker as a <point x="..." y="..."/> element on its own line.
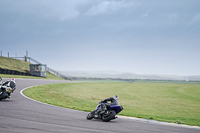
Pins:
<point x="8" y="54"/>
<point x="1" y="53"/>
<point x="25" y="59"/>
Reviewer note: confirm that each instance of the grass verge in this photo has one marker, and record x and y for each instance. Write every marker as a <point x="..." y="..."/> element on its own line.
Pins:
<point x="13" y="64"/>
<point x="174" y="103"/>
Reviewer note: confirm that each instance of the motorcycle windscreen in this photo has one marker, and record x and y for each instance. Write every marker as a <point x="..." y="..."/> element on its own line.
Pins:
<point x="12" y="85"/>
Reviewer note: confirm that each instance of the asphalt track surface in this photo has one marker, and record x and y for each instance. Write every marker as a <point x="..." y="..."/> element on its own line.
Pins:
<point x="22" y="115"/>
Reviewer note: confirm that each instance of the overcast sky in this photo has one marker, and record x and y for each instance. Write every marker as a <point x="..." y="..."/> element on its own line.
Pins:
<point x="138" y="36"/>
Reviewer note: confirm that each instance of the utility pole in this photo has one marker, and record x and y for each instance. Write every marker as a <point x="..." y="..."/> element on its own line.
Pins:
<point x="8" y="54"/>
<point x="1" y="53"/>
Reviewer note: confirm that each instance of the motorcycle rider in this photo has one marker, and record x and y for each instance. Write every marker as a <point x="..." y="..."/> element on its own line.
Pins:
<point x="11" y="83"/>
<point x="104" y="105"/>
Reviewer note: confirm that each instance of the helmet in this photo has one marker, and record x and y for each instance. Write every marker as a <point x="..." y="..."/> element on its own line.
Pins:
<point x="116" y="97"/>
<point x="13" y="80"/>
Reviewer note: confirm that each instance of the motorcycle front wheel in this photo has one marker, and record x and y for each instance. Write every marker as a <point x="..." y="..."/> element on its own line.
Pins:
<point x="2" y="94"/>
<point x="90" y="115"/>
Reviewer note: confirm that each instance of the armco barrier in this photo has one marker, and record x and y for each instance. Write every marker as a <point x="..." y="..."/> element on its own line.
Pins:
<point x="13" y="72"/>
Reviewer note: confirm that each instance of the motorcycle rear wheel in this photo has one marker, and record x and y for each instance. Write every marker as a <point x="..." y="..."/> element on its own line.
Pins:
<point x="110" y="116"/>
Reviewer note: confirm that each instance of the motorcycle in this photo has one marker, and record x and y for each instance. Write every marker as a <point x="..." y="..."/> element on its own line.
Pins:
<point x="7" y="88"/>
<point x="105" y="115"/>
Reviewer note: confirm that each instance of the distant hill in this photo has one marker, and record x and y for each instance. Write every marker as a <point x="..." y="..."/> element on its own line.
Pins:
<point x="13" y="64"/>
<point x="121" y="75"/>
<point x="20" y="65"/>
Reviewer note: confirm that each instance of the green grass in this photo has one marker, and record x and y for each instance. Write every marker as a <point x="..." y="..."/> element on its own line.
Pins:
<point x="139" y="81"/>
<point x="175" y="103"/>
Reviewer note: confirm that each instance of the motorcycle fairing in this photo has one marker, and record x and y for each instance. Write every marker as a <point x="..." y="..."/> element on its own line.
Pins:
<point x="116" y="108"/>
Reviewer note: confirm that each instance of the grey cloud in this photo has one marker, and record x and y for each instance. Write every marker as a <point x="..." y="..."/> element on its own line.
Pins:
<point x="173" y="16"/>
<point x="110" y="6"/>
<point x="45" y="9"/>
<point x="195" y="20"/>
<point x="99" y="29"/>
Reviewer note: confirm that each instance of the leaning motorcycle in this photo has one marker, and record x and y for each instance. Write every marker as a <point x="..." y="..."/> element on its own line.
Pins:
<point x="7" y="88"/>
<point x="105" y="115"/>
